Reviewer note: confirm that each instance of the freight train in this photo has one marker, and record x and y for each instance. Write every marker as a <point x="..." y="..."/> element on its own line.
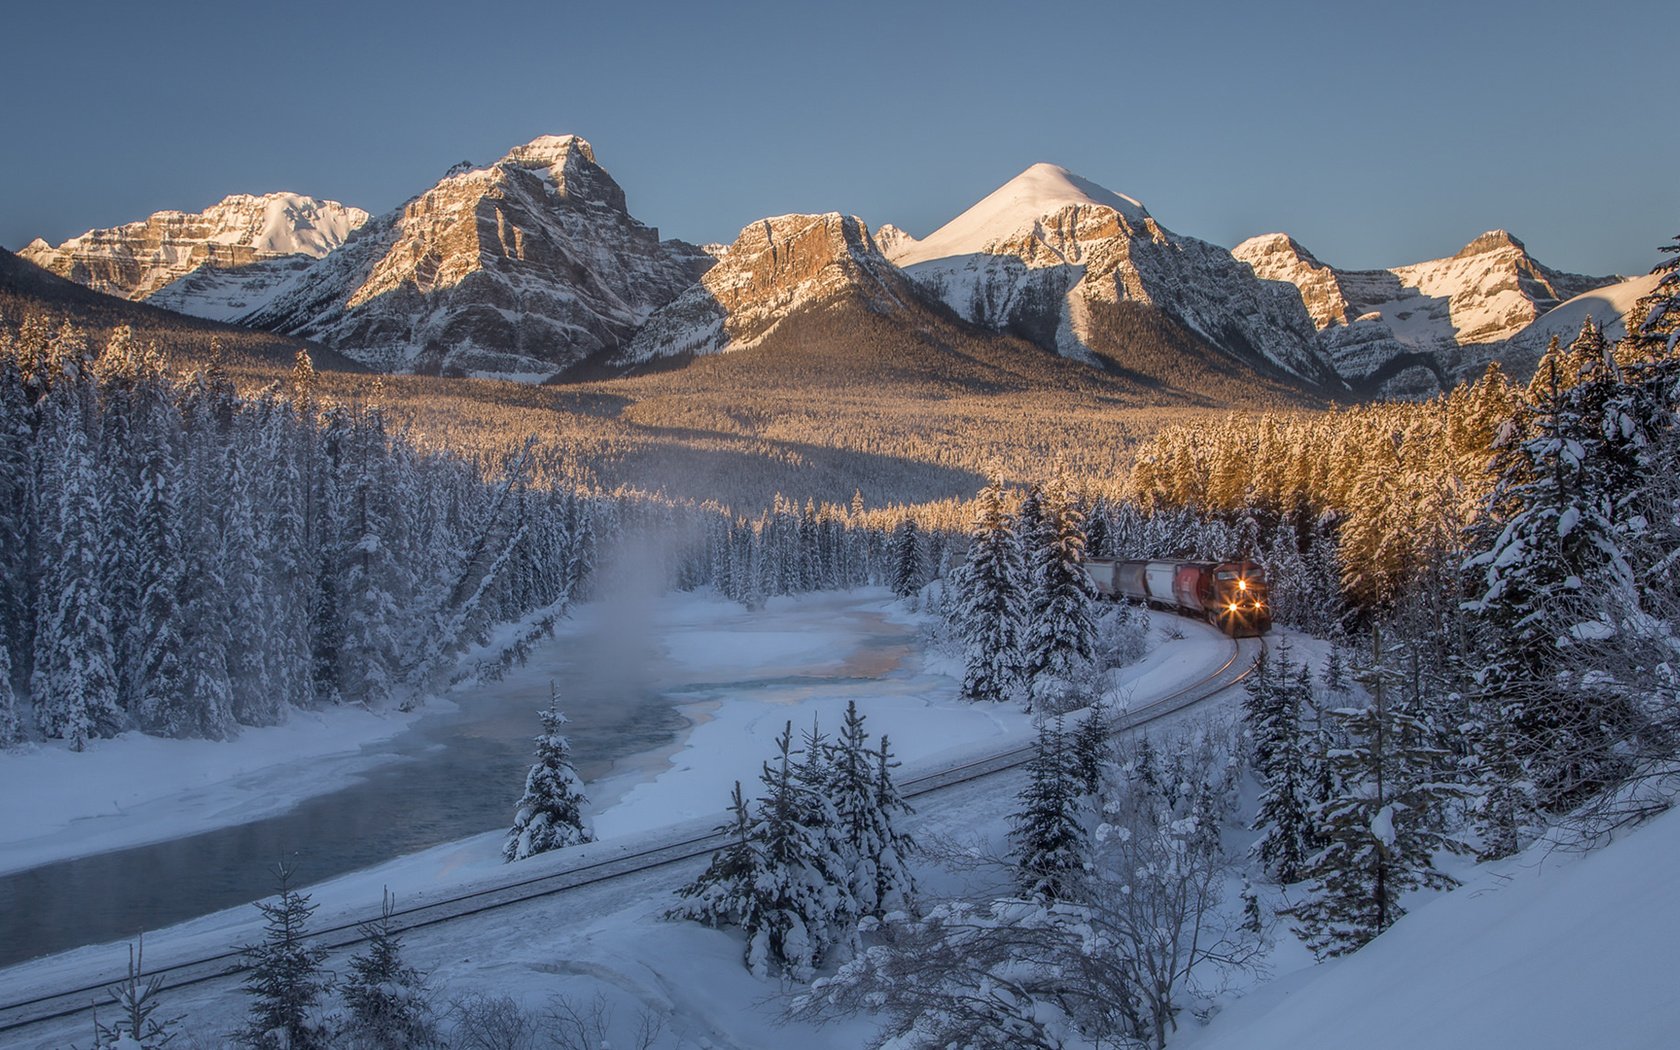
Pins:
<point x="1231" y="595"/>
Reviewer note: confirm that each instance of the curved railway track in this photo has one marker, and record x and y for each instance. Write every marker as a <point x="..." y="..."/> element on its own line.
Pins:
<point x="51" y="1006"/>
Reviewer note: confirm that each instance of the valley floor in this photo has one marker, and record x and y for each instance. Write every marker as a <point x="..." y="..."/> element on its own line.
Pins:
<point x="1548" y="949"/>
<point x="736" y="675"/>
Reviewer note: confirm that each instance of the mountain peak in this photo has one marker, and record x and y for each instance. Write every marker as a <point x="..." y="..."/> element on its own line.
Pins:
<point x="1051" y="186"/>
<point x="567" y="163"/>
<point x="1491" y="241"/>
<point x="1014" y="208"/>
<point x="547" y="151"/>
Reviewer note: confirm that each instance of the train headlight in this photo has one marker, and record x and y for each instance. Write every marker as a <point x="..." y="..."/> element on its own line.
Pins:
<point x="1232" y="606"/>
<point x="1242" y="585"/>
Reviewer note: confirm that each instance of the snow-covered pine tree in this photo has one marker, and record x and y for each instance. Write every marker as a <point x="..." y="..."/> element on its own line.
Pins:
<point x="74" y="681"/>
<point x="206" y="707"/>
<point x="1061" y="629"/>
<point x="550" y="813"/>
<point x="284" y="512"/>
<point x="891" y="848"/>
<point x="373" y="580"/>
<point x="868" y="807"/>
<point x="10" y="730"/>
<point x="253" y="696"/>
<point x="777" y="878"/>
<point x="1051" y="846"/>
<point x="388" y="1002"/>
<point x="906" y="558"/>
<point x="286" y="979"/>
<point x="815" y="774"/>
<point x="1089" y="749"/>
<point x="991" y="604"/>
<point x="16" y="510"/>
<point x="732" y="891"/>
<point x="1380" y="838"/>
<point x="158" y="565"/>
<point x="1559" y="519"/>
<point x="807" y="907"/>
<point x="1097" y="543"/>
<point x="1029" y="521"/>
<point x="1284" y="819"/>
<point x="1260" y="691"/>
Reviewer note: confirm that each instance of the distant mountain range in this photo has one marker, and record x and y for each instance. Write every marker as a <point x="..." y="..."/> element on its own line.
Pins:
<point x="533" y="268"/>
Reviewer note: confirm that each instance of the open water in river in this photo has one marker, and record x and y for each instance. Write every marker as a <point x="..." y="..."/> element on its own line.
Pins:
<point x="453" y="774"/>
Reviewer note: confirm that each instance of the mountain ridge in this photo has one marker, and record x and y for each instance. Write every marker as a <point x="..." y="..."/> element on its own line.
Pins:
<point x="137" y="259"/>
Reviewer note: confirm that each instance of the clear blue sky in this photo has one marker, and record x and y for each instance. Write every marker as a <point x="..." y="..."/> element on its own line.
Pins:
<point x="1376" y="133"/>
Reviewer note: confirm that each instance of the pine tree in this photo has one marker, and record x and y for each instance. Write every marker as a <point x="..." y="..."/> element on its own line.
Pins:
<point x="206" y="704"/>
<point x="158" y="676"/>
<point x="1379" y="828"/>
<point x="10" y="730"/>
<point x="906" y="558"/>
<point x="286" y="979"/>
<point x="74" y="681"/>
<point x="1284" y="818"/>
<point x="17" y="492"/>
<point x="388" y="1001"/>
<point x="1260" y="691"/>
<point x="732" y="889"/>
<point x="1559" y="520"/>
<point x="867" y="806"/>
<point x="1051" y="845"/>
<point x="137" y="1027"/>
<point x="1090" y="748"/>
<point x="779" y="878"/>
<point x="808" y="906"/>
<point x="550" y="813"/>
<point x="1097" y="542"/>
<point x="1061" y="627"/>
<point x="991" y="597"/>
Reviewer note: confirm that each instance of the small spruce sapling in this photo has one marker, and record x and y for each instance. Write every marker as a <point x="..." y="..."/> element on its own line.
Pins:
<point x="550" y="813"/>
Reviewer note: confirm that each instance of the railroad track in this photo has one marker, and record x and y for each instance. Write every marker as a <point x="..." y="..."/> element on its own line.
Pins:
<point x="53" y="1006"/>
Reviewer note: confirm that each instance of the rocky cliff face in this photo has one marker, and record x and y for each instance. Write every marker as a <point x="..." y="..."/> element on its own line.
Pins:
<point x="1415" y="329"/>
<point x="136" y="260"/>
<point x="525" y="268"/>
<point x="1044" y="253"/>
<point x="775" y="266"/>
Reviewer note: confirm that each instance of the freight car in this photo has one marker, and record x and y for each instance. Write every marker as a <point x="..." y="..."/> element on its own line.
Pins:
<point x="1231" y="595"/>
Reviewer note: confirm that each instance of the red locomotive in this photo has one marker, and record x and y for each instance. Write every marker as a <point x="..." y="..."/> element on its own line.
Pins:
<point x="1231" y="595"/>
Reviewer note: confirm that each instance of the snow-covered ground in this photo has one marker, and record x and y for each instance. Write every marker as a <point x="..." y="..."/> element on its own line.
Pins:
<point x="803" y="657"/>
<point x="1548" y="949"/>
<point x="135" y="789"/>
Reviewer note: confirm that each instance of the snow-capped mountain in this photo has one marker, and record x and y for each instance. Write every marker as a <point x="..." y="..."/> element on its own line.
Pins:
<point x="137" y="259"/>
<point x="523" y="268"/>
<point x="1414" y="329"/>
<point x="775" y="266"/>
<point x="1047" y="252"/>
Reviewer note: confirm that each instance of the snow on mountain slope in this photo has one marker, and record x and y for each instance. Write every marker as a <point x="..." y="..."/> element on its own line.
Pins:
<point x="230" y="294"/>
<point x="1044" y="254"/>
<point x="1545" y="951"/>
<point x="523" y="268"/>
<point x="1607" y="306"/>
<point x="1413" y="329"/>
<point x="775" y="266"/>
<point x="137" y="259"/>
<point x="1012" y="209"/>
